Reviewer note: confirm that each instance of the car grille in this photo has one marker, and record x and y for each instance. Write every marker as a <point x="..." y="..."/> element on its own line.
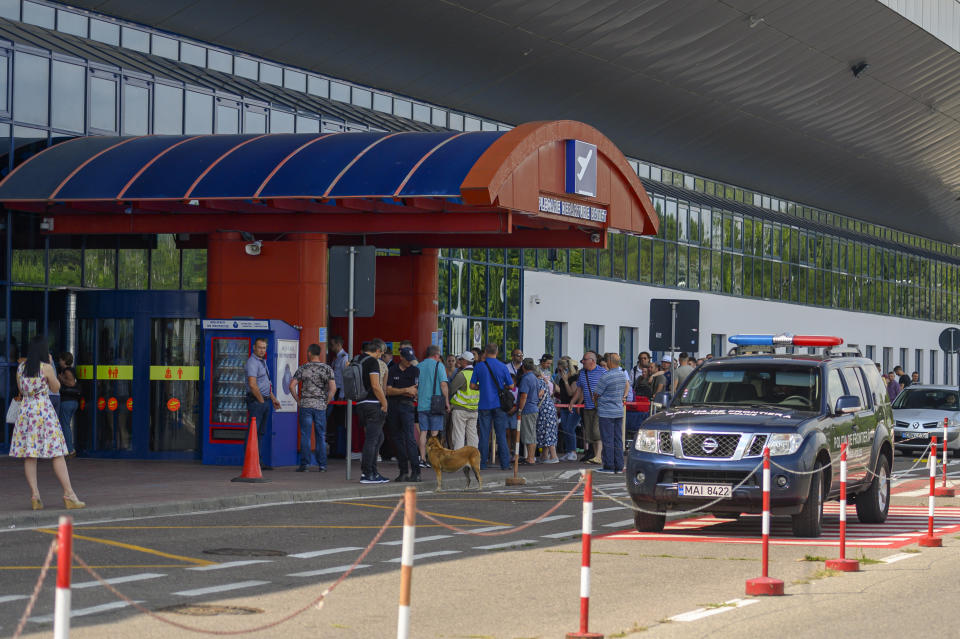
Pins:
<point x="932" y="424"/>
<point x="756" y="448"/>
<point x="726" y="445"/>
<point x="708" y="477"/>
<point x="666" y="442"/>
<point x="901" y="424"/>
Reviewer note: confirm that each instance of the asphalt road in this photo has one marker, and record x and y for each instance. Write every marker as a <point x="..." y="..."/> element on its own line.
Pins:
<point x="261" y="551"/>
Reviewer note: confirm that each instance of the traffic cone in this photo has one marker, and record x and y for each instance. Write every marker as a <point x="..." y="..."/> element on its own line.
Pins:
<point x="251" y="462"/>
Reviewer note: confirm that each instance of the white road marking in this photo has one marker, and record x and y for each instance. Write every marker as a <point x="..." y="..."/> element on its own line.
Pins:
<point x="319" y="553"/>
<point x="418" y="540"/>
<point x="231" y="564"/>
<point x="569" y="533"/>
<point x="482" y="530"/>
<point x="700" y="613"/>
<point x="7" y="598"/>
<point x="618" y="524"/>
<point x="508" y="544"/>
<point x="425" y="555"/>
<point x="221" y="588"/>
<point x="568" y="474"/>
<point x="551" y="518"/>
<point x="608" y="510"/>
<point x="118" y="580"/>
<point x="914" y="493"/>
<point x="900" y="556"/>
<point x="83" y="612"/>
<point x="326" y="571"/>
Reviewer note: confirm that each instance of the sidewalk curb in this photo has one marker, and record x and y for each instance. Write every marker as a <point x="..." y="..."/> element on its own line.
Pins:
<point x="48" y="518"/>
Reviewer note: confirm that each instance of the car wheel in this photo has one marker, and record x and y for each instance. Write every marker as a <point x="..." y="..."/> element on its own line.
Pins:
<point x="809" y="521"/>
<point x="645" y="522"/>
<point x="874" y="503"/>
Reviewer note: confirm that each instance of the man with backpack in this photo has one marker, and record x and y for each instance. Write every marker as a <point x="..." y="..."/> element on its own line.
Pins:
<point x="495" y="384"/>
<point x="361" y="383"/>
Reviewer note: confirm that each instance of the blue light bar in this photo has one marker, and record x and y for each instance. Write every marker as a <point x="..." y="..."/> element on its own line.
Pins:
<point x="751" y="340"/>
<point x="784" y="339"/>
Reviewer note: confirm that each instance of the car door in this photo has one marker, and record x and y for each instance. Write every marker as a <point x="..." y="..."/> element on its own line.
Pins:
<point x="864" y="424"/>
<point x="839" y="426"/>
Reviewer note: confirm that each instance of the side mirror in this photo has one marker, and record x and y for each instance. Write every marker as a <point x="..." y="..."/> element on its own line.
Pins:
<point x="847" y="404"/>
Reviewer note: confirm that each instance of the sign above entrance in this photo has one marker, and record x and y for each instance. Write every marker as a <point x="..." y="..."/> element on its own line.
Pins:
<point x="114" y="372"/>
<point x="581" y="168"/>
<point x="247" y="325"/>
<point x="175" y="373"/>
<point x="571" y="209"/>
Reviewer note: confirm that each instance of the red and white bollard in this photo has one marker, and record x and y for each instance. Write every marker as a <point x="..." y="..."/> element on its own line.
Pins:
<point x="61" y="611"/>
<point x="585" y="563"/>
<point x="942" y="490"/>
<point x="843" y="564"/>
<point x="406" y="560"/>
<point x="929" y="541"/>
<point x="765" y="585"/>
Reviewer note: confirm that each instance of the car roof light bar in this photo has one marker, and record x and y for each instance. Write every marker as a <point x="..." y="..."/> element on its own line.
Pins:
<point x="785" y="339"/>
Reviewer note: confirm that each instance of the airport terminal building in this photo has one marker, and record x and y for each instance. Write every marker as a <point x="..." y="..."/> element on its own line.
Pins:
<point x="826" y="203"/>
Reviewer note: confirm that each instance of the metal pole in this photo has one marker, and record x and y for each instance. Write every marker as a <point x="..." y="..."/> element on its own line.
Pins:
<point x="673" y="348"/>
<point x="350" y="310"/>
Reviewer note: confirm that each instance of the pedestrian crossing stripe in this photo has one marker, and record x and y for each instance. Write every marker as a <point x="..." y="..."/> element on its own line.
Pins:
<point x="904" y="525"/>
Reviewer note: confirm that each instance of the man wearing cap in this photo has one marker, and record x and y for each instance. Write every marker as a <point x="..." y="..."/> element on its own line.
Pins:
<point x="401" y="391"/>
<point x="463" y="404"/>
<point x="660" y="381"/>
<point x="587" y="382"/>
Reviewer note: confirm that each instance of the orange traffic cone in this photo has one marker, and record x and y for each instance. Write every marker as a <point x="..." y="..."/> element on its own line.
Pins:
<point x="251" y="462"/>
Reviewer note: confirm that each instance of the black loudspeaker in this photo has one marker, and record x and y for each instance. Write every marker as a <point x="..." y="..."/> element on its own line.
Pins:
<point x="688" y="325"/>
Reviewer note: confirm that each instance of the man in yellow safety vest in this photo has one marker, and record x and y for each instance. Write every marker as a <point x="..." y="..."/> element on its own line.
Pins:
<point x="463" y="405"/>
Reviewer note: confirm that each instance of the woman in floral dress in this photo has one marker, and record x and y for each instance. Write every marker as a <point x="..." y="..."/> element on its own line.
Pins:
<point x="546" y="422"/>
<point x="37" y="433"/>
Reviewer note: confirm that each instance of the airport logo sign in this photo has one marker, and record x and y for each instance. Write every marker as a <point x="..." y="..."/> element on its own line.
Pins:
<point x="581" y="168"/>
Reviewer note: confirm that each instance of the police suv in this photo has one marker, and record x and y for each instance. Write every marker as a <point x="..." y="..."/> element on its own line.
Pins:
<point x="707" y="444"/>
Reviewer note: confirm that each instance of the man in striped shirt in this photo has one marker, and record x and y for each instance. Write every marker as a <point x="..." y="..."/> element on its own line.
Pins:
<point x="608" y="397"/>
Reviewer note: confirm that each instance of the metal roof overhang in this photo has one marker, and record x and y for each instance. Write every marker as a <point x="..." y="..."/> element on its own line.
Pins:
<point x="416" y="189"/>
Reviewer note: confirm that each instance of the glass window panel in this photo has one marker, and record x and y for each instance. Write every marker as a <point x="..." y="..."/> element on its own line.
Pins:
<point x="228" y="119"/>
<point x="307" y="125"/>
<point x="132" y="269"/>
<point x="100" y="268"/>
<point x="471" y="124"/>
<point x="271" y="74"/>
<point x="27" y="266"/>
<point x="456" y="121"/>
<point x="167" y="110"/>
<point x="633" y="258"/>
<point x="498" y="291"/>
<point x="193" y="54"/>
<point x="64" y="267"/>
<point x="10" y="9"/>
<point x="103" y="103"/>
<point x="478" y="290"/>
<point x="199" y="113"/>
<point x="513" y="293"/>
<point x="165" y="264"/>
<point x="318" y="86"/>
<point x="30" y="87"/>
<point x="281" y="121"/>
<point x="382" y="103"/>
<point x="254" y="121"/>
<point x="590" y="261"/>
<point x="295" y="80"/>
<point x="439" y="117"/>
<point x="421" y="113"/>
<point x="72" y="23"/>
<point x="135" y="39"/>
<point x="604" y="266"/>
<point x="488" y="126"/>
<point x="164" y="47"/>
<point x="4" y="106"/>
<point x="136" y="109"/>
<point x="219" y="61"/>
<point x="194" y="269"/>
<point x="106" y="32"/>
<point x="339" y="92"/>
<point x="245" y="67"/>
<point x="39" y="14"/>
<point x="362" y="98"/>
<point x="402" y="108"/>
<point x="68" y="104"/>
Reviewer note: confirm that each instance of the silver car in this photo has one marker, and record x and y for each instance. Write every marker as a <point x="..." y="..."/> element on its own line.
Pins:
<point x="919" y="412"/>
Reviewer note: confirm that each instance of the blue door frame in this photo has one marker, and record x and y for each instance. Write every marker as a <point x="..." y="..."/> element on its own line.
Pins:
<point x="141" y="307"/>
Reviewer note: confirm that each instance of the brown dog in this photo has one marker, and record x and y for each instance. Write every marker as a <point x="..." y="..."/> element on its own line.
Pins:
<point x="450" y="461"/>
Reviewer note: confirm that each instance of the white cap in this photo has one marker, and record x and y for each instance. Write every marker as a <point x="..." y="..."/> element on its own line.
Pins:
<point x="467" y="356"/>
<point x="666" y="358"/>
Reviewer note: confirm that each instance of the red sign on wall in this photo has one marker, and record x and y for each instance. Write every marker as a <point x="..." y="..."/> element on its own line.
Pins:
<point x="112" y="403"/>
<point x="173" y="404"/>
<point x="101" y="404"/>
<point x="130" y="403"/>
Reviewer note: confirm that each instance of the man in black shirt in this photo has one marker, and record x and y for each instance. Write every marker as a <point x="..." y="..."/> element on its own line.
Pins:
<point x="372" y="412"/>
<point x="401" y="393"/>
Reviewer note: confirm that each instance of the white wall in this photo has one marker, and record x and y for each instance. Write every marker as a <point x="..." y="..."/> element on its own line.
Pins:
<point x="580" y="300"/>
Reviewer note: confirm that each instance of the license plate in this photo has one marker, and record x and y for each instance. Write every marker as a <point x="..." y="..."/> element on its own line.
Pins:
<point x="712" y="491"/>
<point x="914" y="435"/>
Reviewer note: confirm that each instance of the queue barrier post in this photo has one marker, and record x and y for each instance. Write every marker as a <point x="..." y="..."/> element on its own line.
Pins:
<point x="843" y="564"/>
<point x="764" y="584"/>
<point x="942" y="490"/>
<point x="406" y="560"/>
<point x="584" y="633"/>
<point x="61" y="611"/>
<point x="928" y="540"/>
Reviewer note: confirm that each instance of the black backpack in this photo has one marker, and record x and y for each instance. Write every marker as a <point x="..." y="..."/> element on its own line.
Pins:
<point x="642" y="388"/>
<point x="353" y="388"/>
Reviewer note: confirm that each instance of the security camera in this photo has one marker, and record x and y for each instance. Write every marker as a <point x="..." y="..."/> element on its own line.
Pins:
<point x="535" y="299"/>
<point x="253" y="248"/>
<point x="595" y="238"/>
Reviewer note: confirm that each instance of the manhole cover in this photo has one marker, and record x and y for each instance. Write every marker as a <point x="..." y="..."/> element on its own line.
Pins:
<point x="245" y="552"/>
<point x="204" y="610"/>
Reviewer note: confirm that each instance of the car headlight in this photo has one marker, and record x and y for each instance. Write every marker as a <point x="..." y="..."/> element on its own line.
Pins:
<point x="647" y="441"/>
<point x="954" y="422"/>
<point x="784" y="443"/>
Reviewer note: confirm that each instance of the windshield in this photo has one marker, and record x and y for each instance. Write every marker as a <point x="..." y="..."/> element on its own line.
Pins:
<point x="789" y="387"/>
<point x="927" y="398"/>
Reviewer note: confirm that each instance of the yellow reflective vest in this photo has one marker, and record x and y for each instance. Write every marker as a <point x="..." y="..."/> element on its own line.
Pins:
<point x="465" y="398"/>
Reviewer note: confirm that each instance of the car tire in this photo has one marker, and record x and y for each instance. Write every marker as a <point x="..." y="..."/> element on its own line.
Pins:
<point x="809" y="521"/>
<point x="645" y="522"/>
<point x="873" y="504"/>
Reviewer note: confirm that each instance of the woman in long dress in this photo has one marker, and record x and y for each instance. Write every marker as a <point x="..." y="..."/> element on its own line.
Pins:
<point x="37" y="433"/>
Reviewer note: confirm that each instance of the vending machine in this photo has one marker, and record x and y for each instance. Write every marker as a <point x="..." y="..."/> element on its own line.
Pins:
<point x="228" y="344"/>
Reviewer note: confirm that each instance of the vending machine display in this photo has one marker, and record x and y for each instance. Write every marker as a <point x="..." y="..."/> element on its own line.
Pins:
<point x="228" y="405"/>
